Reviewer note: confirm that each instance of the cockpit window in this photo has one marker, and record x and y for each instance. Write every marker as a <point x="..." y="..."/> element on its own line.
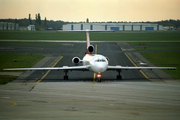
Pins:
<point x="100" y="60"/>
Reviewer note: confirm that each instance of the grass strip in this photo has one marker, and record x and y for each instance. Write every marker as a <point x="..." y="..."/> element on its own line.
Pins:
<point x="13" y="60"/>
<point x="29" y="43"/>
<point x="157" y="48"/>
<point x="165" y="59"/>
<point x="95" y="36"/>
<point x="4" y="79"/>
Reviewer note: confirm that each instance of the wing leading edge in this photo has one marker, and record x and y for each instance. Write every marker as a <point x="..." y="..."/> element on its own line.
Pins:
<point x="83" y="68"/>
<point x="138" y="68"/>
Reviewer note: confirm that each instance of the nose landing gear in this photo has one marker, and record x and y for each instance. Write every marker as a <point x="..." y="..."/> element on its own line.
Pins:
<point x="98" y="76"/>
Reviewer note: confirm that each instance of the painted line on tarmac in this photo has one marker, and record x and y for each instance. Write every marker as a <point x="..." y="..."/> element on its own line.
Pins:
<point x="137" y="66"/>
<point x="14" y="103"/>
<point x="134" y="64"/>
<point x="48" y="71"/>
<point x="119" y="45"/>
<point x="94" y="80"/>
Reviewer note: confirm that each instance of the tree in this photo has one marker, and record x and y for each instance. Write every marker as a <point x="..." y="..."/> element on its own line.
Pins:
<point x="45" y="24"/>
<point x="39" y="19"/>
<point x="87" y="20"/>
<point x="30" y="21"/>
<point x="36" y="19"/>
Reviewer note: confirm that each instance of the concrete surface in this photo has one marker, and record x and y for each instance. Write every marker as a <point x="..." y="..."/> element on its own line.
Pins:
<point x="133" y="98"/>
<point x="85" y="100"/>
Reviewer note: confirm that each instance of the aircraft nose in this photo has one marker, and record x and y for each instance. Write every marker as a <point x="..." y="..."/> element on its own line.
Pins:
<point x="102" y="67"/>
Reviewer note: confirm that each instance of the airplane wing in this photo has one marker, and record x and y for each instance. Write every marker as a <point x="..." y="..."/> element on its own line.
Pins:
<point x="81" y="68"/>
<point x="138" y="68"/>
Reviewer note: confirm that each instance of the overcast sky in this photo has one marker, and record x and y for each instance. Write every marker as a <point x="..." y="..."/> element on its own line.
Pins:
<point x="95" y="10"/>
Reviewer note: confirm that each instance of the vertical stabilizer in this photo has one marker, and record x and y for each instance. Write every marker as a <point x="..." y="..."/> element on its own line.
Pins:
<point x="87" y="38"/>
<point x="90" y="48"/>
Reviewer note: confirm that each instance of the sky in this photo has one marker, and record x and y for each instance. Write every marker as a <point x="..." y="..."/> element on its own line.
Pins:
<point x="95" y="10"/>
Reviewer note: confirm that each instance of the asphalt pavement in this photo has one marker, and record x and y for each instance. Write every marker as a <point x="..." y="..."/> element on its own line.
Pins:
<point x="45" y="95"/>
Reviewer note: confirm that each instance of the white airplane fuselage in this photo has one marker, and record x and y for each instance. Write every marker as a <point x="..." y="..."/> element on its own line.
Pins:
<point x="97" y="63"/>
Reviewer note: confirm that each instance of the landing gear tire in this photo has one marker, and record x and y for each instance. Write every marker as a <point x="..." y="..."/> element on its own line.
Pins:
<point x="119" y="77"/>
<point x="98" y="80"/>
<point x="65" y="77"/>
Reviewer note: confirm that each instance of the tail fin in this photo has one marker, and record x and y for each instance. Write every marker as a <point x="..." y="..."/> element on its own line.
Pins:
<point x="87" y="38"/>
<point x="90" y="48"/>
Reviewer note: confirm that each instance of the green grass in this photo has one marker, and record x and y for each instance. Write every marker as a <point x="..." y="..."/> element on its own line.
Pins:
<point x="157" y="48"/>
<point x="29" y="43"/>
<point x="95" y="36"/>
<point x="7" y="60"/>
<point x="155" y="43"/>
<point x="165" y="59"/>
<point x="161" y="59"/>
<point x="6" y="78"/>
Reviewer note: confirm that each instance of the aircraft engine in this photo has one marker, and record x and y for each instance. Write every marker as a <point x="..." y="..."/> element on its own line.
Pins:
<point x="90" y="49"/>
<point x="76" y="60"/>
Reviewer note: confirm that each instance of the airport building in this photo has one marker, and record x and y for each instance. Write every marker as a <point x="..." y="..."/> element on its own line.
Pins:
<point x="9" y="26"/>
<point x="114" y="26"/>
<point x="31" y="28"/>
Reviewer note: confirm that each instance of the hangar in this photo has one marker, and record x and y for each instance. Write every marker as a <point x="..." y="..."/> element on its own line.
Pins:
<point x="114" y="26"/>
<point x="9" y="26"/>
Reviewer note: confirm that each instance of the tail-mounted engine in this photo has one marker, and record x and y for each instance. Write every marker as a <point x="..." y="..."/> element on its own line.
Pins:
<point x="90" y="49"/>
<point x="76" y="60"/>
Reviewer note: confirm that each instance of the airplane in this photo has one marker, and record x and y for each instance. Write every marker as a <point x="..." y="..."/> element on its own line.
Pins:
<point x="92" y="62"/>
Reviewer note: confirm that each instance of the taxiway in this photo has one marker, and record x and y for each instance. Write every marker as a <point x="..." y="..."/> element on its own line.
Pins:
<point x="45" y="95"/>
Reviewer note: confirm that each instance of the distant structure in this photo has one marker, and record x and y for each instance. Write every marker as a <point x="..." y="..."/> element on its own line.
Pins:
<point x="114" y="26"/>
<point x="9" y="26"/>
<point x="87" y="20"/>
<point x="31" y="28"/>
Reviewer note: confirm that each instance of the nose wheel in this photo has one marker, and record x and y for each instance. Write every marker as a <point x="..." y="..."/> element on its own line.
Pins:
<point x="98" y="77"/>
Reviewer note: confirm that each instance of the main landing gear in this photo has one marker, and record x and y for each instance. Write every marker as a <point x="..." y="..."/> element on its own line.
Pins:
<point x="66" y="76"/>
<point x="98" y="76"/>
<point x="119" y="76"/>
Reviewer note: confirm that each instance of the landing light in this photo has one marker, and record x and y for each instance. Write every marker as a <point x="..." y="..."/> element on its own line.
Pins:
<point x="98" y="75"/>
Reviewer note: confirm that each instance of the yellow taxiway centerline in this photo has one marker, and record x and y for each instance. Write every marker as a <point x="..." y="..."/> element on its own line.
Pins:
<point x="48" y="71"/>
<point x="137" y="66"/>
<point x="14" y="103"/>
